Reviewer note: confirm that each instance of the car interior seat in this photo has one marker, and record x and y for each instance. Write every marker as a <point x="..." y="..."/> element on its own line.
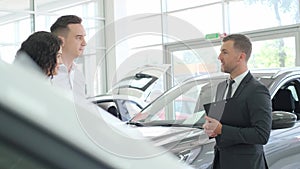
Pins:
<point x="283" y="101"/>
<point x="113" y="110"/>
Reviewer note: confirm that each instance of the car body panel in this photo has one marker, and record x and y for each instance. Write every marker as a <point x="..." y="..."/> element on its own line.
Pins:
<point x="76" y="123"/>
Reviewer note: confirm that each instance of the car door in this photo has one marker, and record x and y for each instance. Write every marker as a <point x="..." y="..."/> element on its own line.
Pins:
<point x="283" y="148"/>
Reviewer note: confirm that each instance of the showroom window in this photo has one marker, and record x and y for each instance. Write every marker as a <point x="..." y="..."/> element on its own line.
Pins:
<point x="143" y="29"/>
<point x="250" y="15"/>
<point x="18" y="19"/>
<point x="272" y="48"/>
<point x="183" y="26"/>
<point x="275" y="52"/>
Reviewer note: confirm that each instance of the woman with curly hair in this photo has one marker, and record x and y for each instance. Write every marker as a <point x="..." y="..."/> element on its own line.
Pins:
<point x="44" y="49"/>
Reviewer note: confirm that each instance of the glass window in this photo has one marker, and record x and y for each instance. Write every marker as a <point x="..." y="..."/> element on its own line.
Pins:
<point x="182" y="107"/>
<point x="127" y="8"/>
<point x="15" y="26"/>
<point x="207" y="19"/>
<point x="128" y="109"/>
<point x="12" y="34"/>
<point x="128" y="59"/>
<point x="267" y="14"/>
<point x="75" y="10"/>
<point x="182" y="101"/>
<point x="187" y="63"/>
<point x="15" y="5"/>
<point x="180" y="4"/>
<point x="144" y="39"/>
<point x="279" y="52"/>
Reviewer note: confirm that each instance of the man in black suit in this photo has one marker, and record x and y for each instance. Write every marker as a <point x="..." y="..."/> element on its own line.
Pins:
<point x="246" y="121"/>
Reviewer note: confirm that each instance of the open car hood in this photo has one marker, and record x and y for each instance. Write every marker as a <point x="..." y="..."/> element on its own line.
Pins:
<point x="145" y="82"/>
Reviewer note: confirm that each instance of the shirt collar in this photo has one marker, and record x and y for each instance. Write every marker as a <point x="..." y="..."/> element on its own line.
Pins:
<point x="63" y="67"/>
<point x="240" y="77"/>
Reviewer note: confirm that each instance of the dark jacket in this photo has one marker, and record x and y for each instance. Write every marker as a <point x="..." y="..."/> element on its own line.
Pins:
<point x="246" y="125"/>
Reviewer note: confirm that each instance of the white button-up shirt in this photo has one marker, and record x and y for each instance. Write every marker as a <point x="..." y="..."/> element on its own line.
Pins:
<point x="73" y="80"/>
<point x="236" y="83"/>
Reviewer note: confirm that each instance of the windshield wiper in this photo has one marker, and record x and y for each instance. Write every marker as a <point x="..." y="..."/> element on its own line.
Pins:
<point x="165" y="124"/>
<point x="135" y="123"/>
<point x="172" y="124"/>
<point x="180" y="125"/>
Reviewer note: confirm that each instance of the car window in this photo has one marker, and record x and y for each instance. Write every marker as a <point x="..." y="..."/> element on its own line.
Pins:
<point x="128" y="109"/>
<point x="132" y="107"/>
<point x="182" y="101"/>
<point x="105" y="104"/>
<point x="287" y="98"/>
<point x="183" y="106"/>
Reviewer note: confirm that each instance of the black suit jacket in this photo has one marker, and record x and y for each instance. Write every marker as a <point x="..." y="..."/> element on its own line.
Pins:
<point x="245" y="128"/>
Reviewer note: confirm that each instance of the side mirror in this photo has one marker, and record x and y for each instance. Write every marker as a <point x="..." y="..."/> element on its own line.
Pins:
<point x="282" y="119"/>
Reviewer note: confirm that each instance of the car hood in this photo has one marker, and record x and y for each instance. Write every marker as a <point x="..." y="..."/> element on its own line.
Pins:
<point x="175" y="138"/>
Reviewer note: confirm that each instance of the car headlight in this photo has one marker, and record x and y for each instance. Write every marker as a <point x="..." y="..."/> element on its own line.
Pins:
<point x="188" y="156"/>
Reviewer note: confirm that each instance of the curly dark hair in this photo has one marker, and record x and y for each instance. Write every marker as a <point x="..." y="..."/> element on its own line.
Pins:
<point x="60" y="26"/>
<point x="42" y="47"/>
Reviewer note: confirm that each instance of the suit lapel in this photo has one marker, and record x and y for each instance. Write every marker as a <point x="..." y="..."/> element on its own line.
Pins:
<point x="243" y="83"/>
<point x="221" y="91"/>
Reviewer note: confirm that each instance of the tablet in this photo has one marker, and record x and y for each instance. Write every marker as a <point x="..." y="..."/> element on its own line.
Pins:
<point x="215" y="109"/>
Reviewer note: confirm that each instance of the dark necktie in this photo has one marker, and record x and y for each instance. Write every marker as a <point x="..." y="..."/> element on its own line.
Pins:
<point x="229" y="89"/>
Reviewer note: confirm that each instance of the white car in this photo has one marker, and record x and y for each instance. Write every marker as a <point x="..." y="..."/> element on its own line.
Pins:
<point x="133" y="92"/>
<point x="44" y="127"/>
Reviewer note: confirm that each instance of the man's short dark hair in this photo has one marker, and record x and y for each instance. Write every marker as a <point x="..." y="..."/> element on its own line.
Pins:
<point x="241" y="42"/>
<point x="61" y="24"/>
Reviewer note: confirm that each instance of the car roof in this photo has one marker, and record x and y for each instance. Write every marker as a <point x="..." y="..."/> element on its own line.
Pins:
<point x="78" y="124"/>
<point x="269" y="73"/>
<point x="274" y="72"/>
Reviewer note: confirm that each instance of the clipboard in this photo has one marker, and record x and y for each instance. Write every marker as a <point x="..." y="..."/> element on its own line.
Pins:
<point x="215" y="109"/>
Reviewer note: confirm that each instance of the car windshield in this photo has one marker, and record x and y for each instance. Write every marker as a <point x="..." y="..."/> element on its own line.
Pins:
<point x="183" y="103"/>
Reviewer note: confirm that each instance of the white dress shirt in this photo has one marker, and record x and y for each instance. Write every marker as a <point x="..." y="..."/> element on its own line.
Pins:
<point x="73" y="80"/>
<point x="237" y="81"/>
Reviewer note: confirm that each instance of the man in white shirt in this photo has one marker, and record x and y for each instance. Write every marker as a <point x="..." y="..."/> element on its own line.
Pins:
<point x="72" y="33"/>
